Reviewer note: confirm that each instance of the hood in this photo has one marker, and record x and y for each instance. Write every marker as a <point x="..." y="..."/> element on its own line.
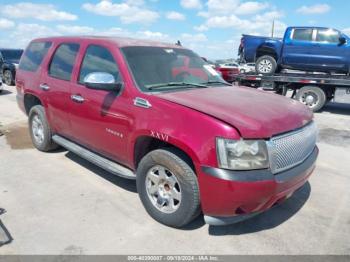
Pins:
<point x="255" y="113"/>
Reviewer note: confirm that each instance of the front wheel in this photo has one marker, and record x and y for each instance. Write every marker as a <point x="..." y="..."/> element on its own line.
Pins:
<point x="312" y="96"/>
<point x="168" y="187"/>
<point x="266" y="65"/>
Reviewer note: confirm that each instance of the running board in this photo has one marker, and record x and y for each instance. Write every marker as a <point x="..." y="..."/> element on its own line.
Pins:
<point x="96" y="159"/>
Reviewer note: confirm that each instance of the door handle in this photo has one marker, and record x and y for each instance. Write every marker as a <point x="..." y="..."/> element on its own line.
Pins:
<point x="77" y="98"/>
<point x="44" y="87"/>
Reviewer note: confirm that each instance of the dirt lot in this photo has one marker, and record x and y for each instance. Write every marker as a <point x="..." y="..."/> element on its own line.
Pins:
<point x="57" y="203"/>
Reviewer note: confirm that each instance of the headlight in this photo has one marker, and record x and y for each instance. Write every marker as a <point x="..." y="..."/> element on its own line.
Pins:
<point x="242" y="154"/>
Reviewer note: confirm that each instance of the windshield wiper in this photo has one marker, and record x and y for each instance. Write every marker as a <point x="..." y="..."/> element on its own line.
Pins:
<point x="215" y="82"/>
<point x="186" y="84"/>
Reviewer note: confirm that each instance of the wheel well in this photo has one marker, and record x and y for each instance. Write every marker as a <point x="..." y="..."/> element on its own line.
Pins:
<point x="266" y="51"/>
<point x="146" y="144"/>
<point x="30" y="101"/>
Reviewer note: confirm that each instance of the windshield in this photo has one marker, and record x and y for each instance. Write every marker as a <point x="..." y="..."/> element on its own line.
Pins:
<point x="13" y="55"/>
<point x="169" y="68"/>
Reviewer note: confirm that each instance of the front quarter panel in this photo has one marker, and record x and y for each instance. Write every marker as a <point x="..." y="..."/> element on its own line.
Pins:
<point x="192" y="131"/>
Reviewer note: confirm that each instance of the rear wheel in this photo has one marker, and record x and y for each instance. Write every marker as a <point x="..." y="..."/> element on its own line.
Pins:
<point x="39" y="129"/>
<point x="8" y="78"/>
<point x="266" y="65"/>
<point x="168" y="187"/>
<point x="312" y="96"/>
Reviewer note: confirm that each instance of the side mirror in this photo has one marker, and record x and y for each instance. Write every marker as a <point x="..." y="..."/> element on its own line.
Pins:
<point x="102" y="81"/>
<point x="342" y="40"/>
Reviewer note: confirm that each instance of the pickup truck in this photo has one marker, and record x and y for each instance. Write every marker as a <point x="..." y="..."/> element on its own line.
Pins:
<point x="316" y="49"/>
<point x="192" y="142"/>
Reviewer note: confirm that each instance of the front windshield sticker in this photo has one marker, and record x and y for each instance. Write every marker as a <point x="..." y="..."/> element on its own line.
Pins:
<point x="169" y="50"/>
<point x="211" y="70"/>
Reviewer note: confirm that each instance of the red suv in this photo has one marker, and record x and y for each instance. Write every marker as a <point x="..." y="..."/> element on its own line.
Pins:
<point x="193" y="142"/>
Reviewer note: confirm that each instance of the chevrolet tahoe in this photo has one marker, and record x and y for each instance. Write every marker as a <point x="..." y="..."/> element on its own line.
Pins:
<point x="193" y="143"/>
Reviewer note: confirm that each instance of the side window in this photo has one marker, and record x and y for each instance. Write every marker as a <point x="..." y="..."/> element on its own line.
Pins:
<point x="302" y="34"/>
<point x="34" y="55"/>
<point x="327" y="36"/>
<point x="63" y="60"/>
<point x="98" y="59"/>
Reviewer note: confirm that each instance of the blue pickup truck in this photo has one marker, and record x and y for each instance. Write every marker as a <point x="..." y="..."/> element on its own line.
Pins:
<point x="302" y="48"/>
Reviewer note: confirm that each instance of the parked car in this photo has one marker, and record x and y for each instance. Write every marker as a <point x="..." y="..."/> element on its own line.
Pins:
<point x="192" y="142"/>
<point x="302" y="48"/>
<point x="229" y="73"/>
<point x="229" y="65"/>
<point x="9" y="59"/>
<point x="247" y="68"/>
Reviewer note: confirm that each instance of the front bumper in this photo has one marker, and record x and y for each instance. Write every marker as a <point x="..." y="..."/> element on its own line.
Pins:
<point x="232" y="196"/>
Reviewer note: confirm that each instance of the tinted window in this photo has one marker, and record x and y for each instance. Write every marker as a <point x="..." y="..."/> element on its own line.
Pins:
<point x="327" y="35"/>
<point x="158" y="66"/>
<point x="98" y="59"/>
<point x="63" y="61"/>
<point x="302" y="34"/>
<point x="34" y="55"/>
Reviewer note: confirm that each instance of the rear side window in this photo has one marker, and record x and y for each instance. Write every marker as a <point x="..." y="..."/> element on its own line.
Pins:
<point x="34" y="55"/>
<point x="98" y="59"/>
<point x="302" y="34"/>
<point x="328" y="36"/>
<point x="63" y="60"/>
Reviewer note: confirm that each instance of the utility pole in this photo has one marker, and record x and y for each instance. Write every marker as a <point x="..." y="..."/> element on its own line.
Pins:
<point x="273" y="28"/>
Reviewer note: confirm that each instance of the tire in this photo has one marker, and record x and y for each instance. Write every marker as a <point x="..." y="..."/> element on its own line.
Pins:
<point x="281" y="90"/>
<point x="8" y="78"/>
<point x="174" y="163"/>
<point x="312" y="96"/>
<point x="266" y="65"/>
<point x="39" y="129"/>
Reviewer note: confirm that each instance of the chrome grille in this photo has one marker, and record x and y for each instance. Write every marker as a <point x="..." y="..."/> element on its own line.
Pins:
<point x="291" y="149"/>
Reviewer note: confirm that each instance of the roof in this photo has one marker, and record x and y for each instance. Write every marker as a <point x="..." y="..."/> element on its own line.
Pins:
<point x="311" y="27"/>
<point x="120" y="41"/>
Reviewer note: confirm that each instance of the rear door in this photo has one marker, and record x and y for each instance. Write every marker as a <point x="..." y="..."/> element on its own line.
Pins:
<point x="29" y="69"/>
<point x="56" y="83"/>
<point x="327" y="54"/>
<point x="297" y="49"/>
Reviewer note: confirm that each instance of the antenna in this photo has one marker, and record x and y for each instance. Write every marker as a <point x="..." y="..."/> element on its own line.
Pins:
<point x="273" y="28"/>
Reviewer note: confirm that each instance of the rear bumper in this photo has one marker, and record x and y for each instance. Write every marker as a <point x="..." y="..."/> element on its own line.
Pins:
<point x="232" y="196"/>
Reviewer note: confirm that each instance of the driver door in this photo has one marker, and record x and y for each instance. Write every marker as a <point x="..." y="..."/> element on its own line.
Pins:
<point x="100" y="119"/>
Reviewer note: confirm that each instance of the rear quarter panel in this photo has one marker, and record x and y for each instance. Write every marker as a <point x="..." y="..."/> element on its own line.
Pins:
<point x="253" y="43"/>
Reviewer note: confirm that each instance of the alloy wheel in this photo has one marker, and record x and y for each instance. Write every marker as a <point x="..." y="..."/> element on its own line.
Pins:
<point x="38" y="129"/>
<point x="163" y="189"/>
